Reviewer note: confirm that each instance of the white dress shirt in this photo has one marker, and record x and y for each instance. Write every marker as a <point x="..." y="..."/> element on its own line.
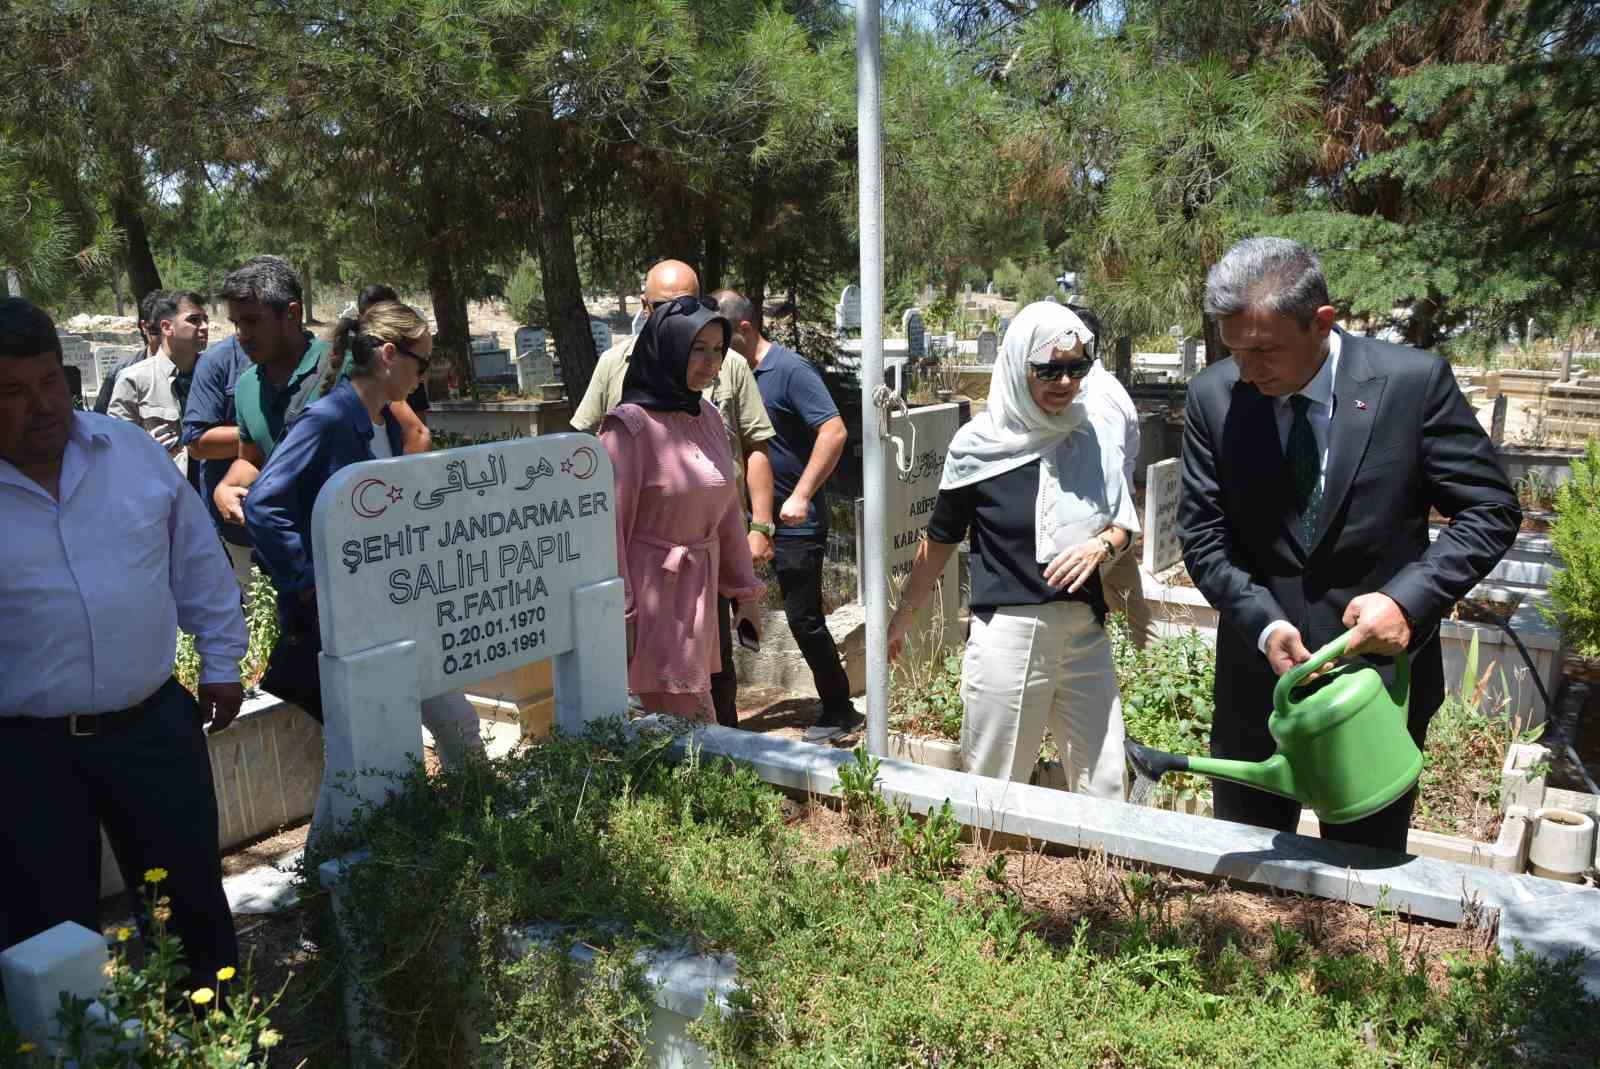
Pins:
<point x="96" y="585"/>
<point x="1114" y="415"/>
<point x="1320" y="415"/>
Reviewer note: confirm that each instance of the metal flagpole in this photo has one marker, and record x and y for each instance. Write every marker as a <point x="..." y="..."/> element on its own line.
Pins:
<point x="875" y="583"/>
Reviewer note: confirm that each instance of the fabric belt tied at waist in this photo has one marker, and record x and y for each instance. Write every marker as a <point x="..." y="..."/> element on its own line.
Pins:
<point x="676" y="551"/>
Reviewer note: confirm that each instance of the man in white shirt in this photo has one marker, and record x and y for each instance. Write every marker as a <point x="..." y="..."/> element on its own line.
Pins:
<point x="151" y="392"/>
<point x="109" y="552"/>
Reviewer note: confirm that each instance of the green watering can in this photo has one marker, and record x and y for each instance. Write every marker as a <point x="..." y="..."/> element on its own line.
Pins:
<point x="1343" y="750"/>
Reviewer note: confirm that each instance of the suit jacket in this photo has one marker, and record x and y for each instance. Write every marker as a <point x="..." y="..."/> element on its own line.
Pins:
<point x="1402" y="440"/>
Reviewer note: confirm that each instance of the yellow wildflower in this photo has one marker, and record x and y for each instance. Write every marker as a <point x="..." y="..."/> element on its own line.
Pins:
<point x="225" y="973"/>
<point x="27" y="1048"/>
<point x="202" y="996"/>
<point x="124" y="934"/>
<point x="269" y="1038"/>
<point x="154" y="875"/>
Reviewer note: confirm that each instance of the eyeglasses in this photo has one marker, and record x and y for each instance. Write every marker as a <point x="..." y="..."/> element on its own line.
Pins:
<point x="423" y="360"/>
<point x="1052" y="371"/>
<point x="685" y="305"/>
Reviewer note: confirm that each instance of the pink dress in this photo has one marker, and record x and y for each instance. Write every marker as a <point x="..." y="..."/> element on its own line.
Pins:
<point x="681" y="539"/>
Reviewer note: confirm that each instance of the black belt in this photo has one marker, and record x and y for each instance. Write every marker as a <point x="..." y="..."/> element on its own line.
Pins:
<point x="83" y="725"/>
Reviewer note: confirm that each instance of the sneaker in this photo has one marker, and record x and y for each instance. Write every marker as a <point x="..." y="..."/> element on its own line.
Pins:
<point x="830" y="726"/>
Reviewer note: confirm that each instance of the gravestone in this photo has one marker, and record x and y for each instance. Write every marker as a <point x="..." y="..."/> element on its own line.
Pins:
<point x="639" y="320"/>
<point x="527" y="340"/>
<point x="600" y="330"/>
<point x="483" y="343"/>
<point x="1497" y="421"/>
<point x="988" y="291"/>
<point x="988" y="346"/>
<point x="1190" y="348"/>
<point x="1005" y="325"/>
<point x="1161" y="548"/>
<point x="76" y="352"/>
<point x="491" y="364"/>
<point x="107" y="357"/>
<point x="847" y="313"/>
<point x="1124" y="360"/>
<point x="894" y="373"/>
<point x="906" y="514"/>
<point x="436" y="571"/>
<point x="916" y="334"/>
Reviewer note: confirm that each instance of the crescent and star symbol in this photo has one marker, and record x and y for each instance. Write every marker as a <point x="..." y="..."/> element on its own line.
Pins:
<point x="584" y="470"/>
<point x="371" y="506"/>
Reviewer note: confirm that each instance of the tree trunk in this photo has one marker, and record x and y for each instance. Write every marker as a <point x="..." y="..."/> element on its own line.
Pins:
<point x="306" y="286"/>
<point x="118" y="293"/>
<point x="763" y="213"/>
<point x="622" y="294"/>
<point x="711" y="272"/>
<point x="558" y="262"/>
<point x="126" y="198"/>
<point x="453" y="339"/>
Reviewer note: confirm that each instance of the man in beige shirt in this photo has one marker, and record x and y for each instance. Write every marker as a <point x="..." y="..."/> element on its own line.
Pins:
<point x="739" y="401"/>
<point x="151" y="392"/>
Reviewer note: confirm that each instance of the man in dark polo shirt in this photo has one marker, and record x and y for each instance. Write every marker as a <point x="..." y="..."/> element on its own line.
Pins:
<point x="211" y="435"/>
<point x="810" y="438"/>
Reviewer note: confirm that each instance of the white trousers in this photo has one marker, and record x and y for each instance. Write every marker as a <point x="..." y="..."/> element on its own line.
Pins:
<point x="456" y="732"/>
<point x="1032" y="667"/>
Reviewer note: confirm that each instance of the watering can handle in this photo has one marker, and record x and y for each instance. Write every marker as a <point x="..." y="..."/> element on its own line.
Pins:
<point x="1326" y="655"/>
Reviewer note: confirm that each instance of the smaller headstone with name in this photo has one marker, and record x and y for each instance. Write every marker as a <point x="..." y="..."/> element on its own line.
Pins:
<point x="847" y="313"/>
<point x="107" y="357"/>
<point x="491" y="364"/>
<point x="1161" y="548"/>
<point x="600" y="330"/>
<point x="1497" y="421"/>
<point x="76" y="352"/>
<point x="988" y="346"/>
<point x="639" y="319"/>
<point x="528" y="340"/>
<point x="916" y="334"/>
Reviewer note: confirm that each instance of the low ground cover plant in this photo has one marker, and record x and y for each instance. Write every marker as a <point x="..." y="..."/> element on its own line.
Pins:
<point x="870" y="938"/>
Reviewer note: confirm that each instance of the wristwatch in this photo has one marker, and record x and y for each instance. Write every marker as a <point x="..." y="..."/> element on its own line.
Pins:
<point x="761" y="528"/>
<point x="1111" y="551"/>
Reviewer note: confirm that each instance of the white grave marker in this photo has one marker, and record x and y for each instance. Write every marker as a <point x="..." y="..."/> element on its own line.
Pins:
<point x="988" y="346"/>
<point x="639" y="320"/>
<point x="910" y="506"/>
<point x="1161" y="548"/>
<point x="528" y="340"/>
<point x="1190" y="348"/>
<point x="439" y="570"/>
<point x="847" y="313"/>
<point x="1497" y="421"/>
<point x="600" y="330"/>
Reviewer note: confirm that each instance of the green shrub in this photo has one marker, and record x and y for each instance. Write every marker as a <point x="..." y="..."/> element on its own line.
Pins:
<point x="1167" y="690"/>
<point x="261" y="622"/>
<point x="157" y="1016"/>
<point x="1575" y="589"/>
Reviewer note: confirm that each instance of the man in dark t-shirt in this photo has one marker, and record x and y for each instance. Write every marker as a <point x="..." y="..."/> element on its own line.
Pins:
<point x="211" y="435"/>
<point x="810" y="438"/>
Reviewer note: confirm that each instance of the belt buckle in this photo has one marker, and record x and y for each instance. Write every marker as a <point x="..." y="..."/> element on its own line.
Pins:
<point x="72" y="726"/>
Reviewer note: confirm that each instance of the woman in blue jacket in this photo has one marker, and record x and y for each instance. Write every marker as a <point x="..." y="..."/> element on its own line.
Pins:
<point x="387" y="351"/>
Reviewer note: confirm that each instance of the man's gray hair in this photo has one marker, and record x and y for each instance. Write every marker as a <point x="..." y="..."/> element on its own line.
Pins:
<point x="267" y="279"/>
<point x="1275" y="274"/>
<point x="735" y="306"/>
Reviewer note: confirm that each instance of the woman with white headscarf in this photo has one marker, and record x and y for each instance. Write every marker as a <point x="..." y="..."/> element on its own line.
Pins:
<point x="1045" y="502"/>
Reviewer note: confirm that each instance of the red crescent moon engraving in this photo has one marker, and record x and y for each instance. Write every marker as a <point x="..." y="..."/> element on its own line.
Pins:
<point x="359" y="506"/>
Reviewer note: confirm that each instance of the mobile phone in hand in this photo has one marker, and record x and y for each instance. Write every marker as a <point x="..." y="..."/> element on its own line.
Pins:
<point x="747" y="636"/>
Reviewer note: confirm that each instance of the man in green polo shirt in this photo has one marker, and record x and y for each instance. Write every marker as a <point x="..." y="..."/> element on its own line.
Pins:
<point x="287" y="372"/>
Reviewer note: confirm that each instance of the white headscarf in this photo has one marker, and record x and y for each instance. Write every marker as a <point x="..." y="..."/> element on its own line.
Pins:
<point x="1014" y="431"/>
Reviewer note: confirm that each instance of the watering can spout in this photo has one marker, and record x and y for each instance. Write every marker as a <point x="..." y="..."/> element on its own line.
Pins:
<point x="1274" y="774"/>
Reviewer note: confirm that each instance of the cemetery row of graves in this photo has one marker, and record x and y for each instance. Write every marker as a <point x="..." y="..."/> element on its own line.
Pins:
<point x="623" y="894"/>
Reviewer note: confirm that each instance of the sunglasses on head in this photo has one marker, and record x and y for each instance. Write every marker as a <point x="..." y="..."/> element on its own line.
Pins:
<point x="1050" y="371"/>
<point x="685" y="305"/>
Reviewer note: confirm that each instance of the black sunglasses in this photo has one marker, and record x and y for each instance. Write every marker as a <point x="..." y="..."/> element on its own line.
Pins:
<point x="1072" y="369"/>
<point x="684" y="305"/>
<point x="423" y="360"/>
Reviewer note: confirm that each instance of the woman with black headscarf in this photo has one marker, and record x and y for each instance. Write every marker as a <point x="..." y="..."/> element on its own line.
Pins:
<point x="680" y="527"/>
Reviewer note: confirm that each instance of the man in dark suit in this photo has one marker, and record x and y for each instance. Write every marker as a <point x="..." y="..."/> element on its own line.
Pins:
<point x="1311" y="459"/>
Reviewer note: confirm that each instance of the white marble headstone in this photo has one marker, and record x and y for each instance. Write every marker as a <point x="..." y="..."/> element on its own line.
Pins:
<point x="1190" y="348"/>
<point x="1161" y="548"/>
<point x="600" y="330"/>
<point x="528" y="340"/>
<point x="639" y="319"/>
<point x="847" y="314"/>
<point x="473" y="553"/>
